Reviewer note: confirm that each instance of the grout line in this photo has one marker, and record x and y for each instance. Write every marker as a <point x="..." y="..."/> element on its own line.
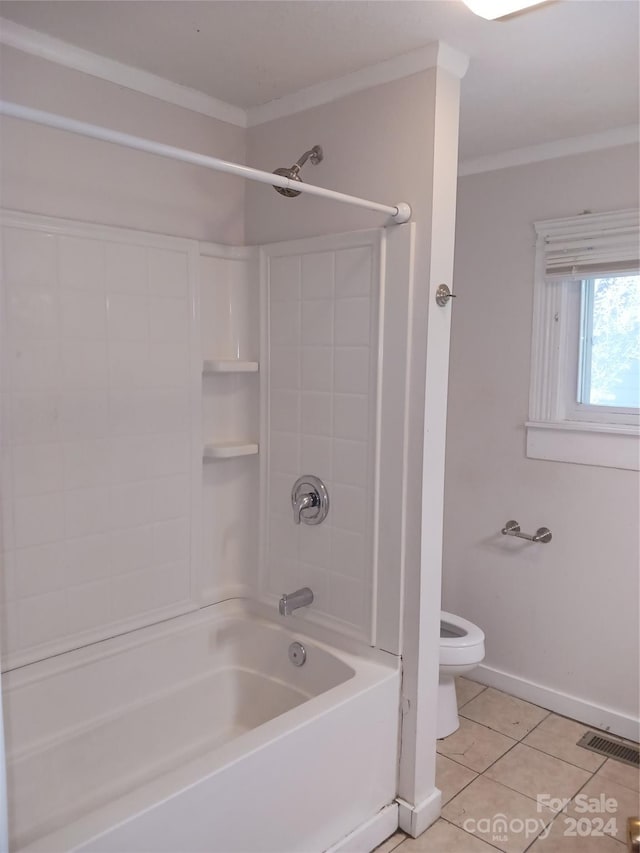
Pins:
<point x="537" y="748"/>
<point x="549" y="825"/>
<point x="605" y="732"/>
<point x="560" y="813"/>
<point x="464" y="704"/>
<point x="489" y="766"/>
<point x="515" y="792"/>
<point x="620" y="829"/>
<point x="460" y="764"/>
<point x="614" y="782"/>
<point x="504" y="785"/>
<point x="570" y="763"/>
<point x="471" y="834"/>
<point x="482" y="772"/>
<point x="498" y="759"/>
<point x="521" y="738"/>
<point x="466" y="785"/>
<point x="401" y="841"/>
<point x="482" y="686"/>
<point x="539" y="723"/>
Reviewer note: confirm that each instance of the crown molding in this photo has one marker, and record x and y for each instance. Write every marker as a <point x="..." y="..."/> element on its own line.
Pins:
<point x="62" y="53"/>
<point x="436" y="55"/>
<point x="35" y="43"/>
<point x="613" y="138"/>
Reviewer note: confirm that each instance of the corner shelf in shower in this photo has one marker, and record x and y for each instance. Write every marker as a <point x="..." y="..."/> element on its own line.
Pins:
<point x="228" y="450"/>
<point x="229" y="365"/>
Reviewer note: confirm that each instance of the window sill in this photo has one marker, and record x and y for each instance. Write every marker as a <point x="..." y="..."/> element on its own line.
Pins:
<point x="604" y="445"/>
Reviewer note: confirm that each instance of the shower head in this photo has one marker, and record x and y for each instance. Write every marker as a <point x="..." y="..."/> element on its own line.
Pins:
<point x="314" y="154"/>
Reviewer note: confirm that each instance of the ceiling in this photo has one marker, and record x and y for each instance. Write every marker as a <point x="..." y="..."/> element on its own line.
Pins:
<point x="569" y="68"/>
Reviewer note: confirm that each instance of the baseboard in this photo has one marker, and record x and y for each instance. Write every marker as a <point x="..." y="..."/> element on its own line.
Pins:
<point x="369" y="834"/>
<point x="415" y="819"/>
<point x="598" y="716"/>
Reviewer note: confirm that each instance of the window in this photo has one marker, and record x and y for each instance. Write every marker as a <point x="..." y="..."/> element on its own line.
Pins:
<point x="585" y="377"/>
<point x="609" y="375"/>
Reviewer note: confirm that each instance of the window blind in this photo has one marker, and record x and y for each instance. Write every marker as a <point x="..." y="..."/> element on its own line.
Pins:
<point x="590" y="245"/>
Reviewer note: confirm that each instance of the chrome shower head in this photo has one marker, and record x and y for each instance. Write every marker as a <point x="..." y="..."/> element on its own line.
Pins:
<point x="314" y="154"/>
<point x="294" y="175"/>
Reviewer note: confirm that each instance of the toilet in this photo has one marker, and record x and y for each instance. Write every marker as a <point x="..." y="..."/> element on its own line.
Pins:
<point x="461" y="650"/>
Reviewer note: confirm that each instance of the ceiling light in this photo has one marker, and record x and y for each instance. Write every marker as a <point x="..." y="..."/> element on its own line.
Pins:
<point x="492" y="9"/>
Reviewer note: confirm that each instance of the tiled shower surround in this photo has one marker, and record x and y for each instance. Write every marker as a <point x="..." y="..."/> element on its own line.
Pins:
<point x="322" y="350"/>
<point x="97" y="444"/>
<point x="110" y="521"/>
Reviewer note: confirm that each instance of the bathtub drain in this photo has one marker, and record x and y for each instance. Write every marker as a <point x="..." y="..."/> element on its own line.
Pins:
<point x="297" y="654"/>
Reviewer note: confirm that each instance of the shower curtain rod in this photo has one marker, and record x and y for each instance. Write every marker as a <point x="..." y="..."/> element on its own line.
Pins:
<point x="399" y="213"/>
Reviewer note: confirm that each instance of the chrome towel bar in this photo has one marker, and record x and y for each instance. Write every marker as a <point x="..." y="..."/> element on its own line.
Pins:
<point x="512" y="528"/>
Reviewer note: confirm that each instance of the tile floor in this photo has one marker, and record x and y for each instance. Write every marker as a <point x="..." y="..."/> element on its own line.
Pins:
<point x="504" y="755"/>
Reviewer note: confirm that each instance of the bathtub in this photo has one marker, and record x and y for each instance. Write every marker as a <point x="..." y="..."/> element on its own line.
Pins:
<point x="199" y="734"/>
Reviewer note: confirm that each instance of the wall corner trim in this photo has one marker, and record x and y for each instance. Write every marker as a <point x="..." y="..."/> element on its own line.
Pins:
<point x="69" y="55"/>
<point x="435" y="55"/>
<point x="452" y="60"/>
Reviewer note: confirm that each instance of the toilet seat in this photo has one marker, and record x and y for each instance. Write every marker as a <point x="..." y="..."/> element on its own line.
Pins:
<point x="466" y="647"/>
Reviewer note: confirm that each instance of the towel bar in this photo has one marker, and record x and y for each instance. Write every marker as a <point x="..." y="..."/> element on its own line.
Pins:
<point x="512" y="528"/>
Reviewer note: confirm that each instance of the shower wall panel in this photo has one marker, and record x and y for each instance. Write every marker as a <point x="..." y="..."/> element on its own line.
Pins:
<point x="101" y="445"/>
<point x="319" y="417"/>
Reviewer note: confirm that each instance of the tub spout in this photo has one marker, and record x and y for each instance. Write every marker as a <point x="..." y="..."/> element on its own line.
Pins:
<point x="300" y="598"/>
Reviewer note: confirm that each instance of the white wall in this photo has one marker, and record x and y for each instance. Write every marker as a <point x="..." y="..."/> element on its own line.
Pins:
<point x="60" y="174"/>
<point x="393" y="142"/>
<point x="377" y="144"/>
<point x="562" y="615"/>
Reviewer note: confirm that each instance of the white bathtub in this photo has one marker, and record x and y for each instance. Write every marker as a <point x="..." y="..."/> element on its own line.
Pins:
<point x="200" y="735"/>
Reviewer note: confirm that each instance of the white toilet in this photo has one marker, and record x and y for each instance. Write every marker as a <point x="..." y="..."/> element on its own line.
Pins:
<point x="461" y="649"/>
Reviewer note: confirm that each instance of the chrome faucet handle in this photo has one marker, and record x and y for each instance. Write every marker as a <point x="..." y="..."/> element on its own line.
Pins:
<point x="309" y="500"/>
